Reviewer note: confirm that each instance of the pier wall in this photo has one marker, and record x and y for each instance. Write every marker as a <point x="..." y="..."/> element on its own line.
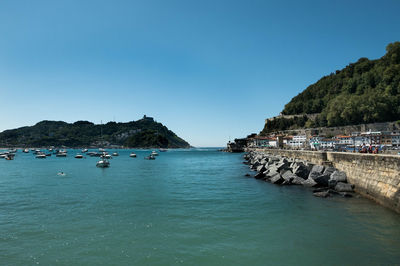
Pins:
<point x="375" y="176"/>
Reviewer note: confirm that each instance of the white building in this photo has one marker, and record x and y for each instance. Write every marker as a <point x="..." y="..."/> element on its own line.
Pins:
<point x="329" y="143"/>
<point x="361" y="140"/>
<point x="263" y="142"/>
<point x="345" y="140"/>
<point x="395" y="140"/>
<point x="315" y="142"/>
<point x="297" y="141"/>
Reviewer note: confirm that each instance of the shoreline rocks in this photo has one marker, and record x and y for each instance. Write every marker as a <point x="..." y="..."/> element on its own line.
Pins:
<point x="279" y="170"/>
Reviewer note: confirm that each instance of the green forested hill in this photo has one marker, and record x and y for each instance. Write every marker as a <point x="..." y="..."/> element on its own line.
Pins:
<point x="139" y="134"/>
<point x="367" y="91"/>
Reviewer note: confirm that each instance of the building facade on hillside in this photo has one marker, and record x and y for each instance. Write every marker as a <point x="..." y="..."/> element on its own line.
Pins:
<point x="374" y="137"/>
<point x="329" y="143"/>
<point x="395" y="140"/>
<point x="297" y="141"/>
<point x="361" y="141"/>
<point x="386" y="139"/>
<point x="259" y="141"/>
<point x="315" y="142"/>
<point x="345" y="140"/>
<point x="262" y="142"/>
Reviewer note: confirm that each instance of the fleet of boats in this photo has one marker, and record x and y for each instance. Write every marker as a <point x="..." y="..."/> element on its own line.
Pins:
<point x="102" y="153"/>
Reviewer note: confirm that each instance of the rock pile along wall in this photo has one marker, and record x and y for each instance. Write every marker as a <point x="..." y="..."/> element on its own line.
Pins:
<point x="375" y="176"/>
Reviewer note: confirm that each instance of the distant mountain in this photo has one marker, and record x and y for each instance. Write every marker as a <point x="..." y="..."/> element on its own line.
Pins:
<point x="367" y="91"/>
<point x="144" y="133"/>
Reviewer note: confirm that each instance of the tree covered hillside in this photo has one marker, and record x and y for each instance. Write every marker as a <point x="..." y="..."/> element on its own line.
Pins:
<point x="139" y="134"/>
<point x="367" y="91"/>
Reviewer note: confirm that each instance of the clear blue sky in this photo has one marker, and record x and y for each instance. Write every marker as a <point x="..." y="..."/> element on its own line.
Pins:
<point x="208" y="70"/>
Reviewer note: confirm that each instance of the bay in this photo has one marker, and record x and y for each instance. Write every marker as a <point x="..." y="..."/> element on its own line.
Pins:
<point x="190" y="207"/>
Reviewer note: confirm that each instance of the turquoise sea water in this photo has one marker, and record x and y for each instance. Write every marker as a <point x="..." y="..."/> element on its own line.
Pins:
<point x="191" y="207"/>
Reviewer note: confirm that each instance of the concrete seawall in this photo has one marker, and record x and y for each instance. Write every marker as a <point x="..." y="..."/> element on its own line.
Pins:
<point x="375" y="176"/>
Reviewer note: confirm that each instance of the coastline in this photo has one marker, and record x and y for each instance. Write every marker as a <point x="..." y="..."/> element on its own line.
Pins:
<point x="374" y="176"/>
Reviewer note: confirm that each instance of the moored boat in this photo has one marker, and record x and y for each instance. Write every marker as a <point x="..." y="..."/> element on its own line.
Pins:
<point x="41" y="156"/>
<point x="154" y="153"/>
<point x="79" y="156"/>
<point x="115" y="154"/>
<point x="150" y="157"/>
<point x="103" y="163"/>
<point x="9" y="156"/>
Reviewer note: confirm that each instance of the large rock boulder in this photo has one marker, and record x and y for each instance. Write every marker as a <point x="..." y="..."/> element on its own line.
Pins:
<point x="297" y="180"/>
<point x="282" y="166"/>
<point x="259" y="157"/>
<point x="288" y="176"/>
<point x="261" y="168"/>
<point x="276" y="179"/>
<point x="329" y="170"/>
<point x="316" y="171"/>
<point x="259" y="175"/>
<point x="283" y="160"/>
<point x="271" y="172"/>
<point x="272" y="168"/>
<point x="344" y="187"/>
<point x="301" y="170"/>
<point x="322" y="180"/>
<point x="309" y="183"/>
<point x="339" y="176"/>
<point x="332" y="183"/>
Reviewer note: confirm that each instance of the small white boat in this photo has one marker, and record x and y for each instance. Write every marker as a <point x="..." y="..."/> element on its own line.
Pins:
<point x="103" y="163"/>
<point x="9" y="156"/>
<point x="84" y="150"/>
<point x="61" y="154"/>
<point x="162" y="150"/>
<point x="101" y="150"/>
<point x="154" y="153"/>
<point x="132" y="154"/>
<point x="107" y="156"/>
<point x="115" y="154"/>
<point x="79" y="156"/>
<point x="26" y="151"/>
<point x="41" y="156"/>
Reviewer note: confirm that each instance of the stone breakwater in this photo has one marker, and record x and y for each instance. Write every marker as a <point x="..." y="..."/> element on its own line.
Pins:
<point x="325" y="179"/>
<point x="376" y="177"/>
